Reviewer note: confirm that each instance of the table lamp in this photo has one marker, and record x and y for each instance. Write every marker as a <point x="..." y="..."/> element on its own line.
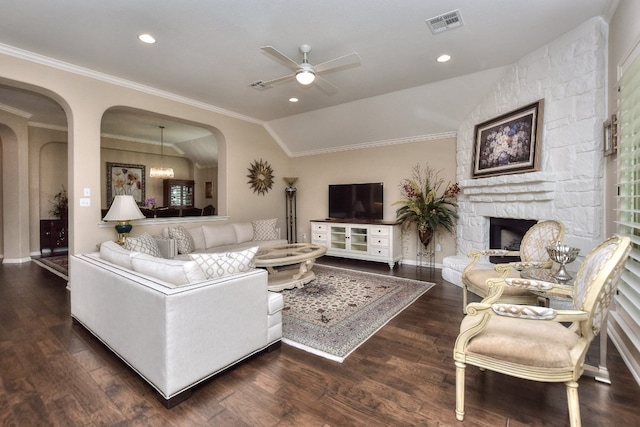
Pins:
<point x="123" y="210"/>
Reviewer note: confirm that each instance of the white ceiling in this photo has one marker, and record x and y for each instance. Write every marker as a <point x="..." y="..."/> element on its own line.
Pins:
<point x="209" y="51"/>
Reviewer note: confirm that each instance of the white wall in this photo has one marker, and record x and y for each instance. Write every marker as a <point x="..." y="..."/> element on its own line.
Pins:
<point x="389" y="165"/>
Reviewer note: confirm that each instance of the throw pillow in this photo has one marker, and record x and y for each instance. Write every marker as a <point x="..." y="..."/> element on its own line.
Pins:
<point x="197" y="233"/>
<point x="171" y="271"/>
<point x="144" y="244"/>
<point x="116" y="254"/>
<point x="265" y="229"/>
<point x="224" y="264"/>
<point x="183" y="238"/>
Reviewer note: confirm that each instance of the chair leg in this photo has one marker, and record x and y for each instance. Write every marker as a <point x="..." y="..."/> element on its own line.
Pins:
<point x="460" y="370"/>
<point x="574" y="404"/>
<point x="464" y="298"/>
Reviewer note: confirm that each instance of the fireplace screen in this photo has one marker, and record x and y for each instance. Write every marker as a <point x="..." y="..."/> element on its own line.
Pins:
<point x="507" y="233"/>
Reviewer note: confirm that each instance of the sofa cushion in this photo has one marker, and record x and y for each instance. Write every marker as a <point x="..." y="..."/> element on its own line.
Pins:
<point x="227" y="263"/>
<point x="116" y="254"/>
<point x="264" y="229"/>
<point x="176" y="272"/>
<point x="219" y="234"/>
<point x="197" y="234"/>
<point x="244" y="231"/>
<point x="183" y="238"/>
<point x="144" y="243"/>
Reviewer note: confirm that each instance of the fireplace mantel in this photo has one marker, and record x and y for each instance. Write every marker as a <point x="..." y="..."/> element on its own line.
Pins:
<point x="538" y="186"/>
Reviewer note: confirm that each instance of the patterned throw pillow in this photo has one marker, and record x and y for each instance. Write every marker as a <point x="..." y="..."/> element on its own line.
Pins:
<point x="226" y="264"/>
<point x="144" y="244"/>
<point x="264" y="229"/>
<point x="183" y="238"/>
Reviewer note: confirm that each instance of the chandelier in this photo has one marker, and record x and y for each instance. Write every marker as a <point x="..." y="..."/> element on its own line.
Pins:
<point x="161" y="172"/>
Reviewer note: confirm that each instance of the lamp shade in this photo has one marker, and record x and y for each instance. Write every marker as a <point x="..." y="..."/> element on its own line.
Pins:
<point x="123" y="208"/>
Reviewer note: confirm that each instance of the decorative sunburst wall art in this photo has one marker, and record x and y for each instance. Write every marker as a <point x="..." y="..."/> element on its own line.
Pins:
<point x="260" y="177"/>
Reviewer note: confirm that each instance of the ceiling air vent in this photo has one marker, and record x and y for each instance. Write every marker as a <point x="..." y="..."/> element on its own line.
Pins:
<point x="445" y="22"/>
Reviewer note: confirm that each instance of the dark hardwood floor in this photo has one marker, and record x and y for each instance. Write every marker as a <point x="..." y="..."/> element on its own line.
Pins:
<point x="53" y="372"/>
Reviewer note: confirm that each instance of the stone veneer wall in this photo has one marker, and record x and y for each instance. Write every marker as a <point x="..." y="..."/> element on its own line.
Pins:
<point x="569" y="74"/>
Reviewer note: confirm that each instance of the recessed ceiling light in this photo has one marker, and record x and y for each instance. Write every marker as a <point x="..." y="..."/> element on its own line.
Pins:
<point x="443" y="58"/>
<point x="293" y="99"/>
<point x="146" y="38"/>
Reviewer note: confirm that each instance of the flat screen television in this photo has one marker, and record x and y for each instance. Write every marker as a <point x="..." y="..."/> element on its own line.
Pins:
<point x="356" y="201"/>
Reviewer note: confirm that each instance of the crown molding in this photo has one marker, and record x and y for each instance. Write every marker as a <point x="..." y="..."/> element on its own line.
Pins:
<point x="382" y="143"/>
<point x="96" y="75"/>
<point x="48" y="126"/>
<point x="12" y="110"/>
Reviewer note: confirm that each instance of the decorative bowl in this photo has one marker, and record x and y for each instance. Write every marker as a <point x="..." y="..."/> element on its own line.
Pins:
<point x="563" y="255"/>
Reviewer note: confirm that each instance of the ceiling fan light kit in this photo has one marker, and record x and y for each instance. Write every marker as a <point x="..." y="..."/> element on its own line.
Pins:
<point x="305" y="77"/>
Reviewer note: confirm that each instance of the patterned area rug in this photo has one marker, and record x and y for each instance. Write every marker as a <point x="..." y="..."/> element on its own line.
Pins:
<point x="58" y="265"/>
<point x="334" y="314"/>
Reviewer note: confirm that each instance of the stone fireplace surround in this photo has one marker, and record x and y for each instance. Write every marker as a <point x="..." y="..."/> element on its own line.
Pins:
<point x="533" y="196"/>
<point x="569" y="75"/>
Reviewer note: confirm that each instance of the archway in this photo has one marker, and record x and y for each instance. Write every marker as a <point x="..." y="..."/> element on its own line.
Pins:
<point x="132" y="136"/>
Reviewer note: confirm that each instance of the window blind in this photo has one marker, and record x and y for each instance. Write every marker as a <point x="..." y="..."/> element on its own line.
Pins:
<point x="624" y="318"/>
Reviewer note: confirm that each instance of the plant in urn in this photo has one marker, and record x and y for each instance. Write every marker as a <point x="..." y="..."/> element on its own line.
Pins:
<point x="563" y="255"/>
<point x="427" y="202"/>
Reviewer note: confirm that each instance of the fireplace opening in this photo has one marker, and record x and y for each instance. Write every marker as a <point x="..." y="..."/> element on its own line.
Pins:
<point x="507" y="233"/>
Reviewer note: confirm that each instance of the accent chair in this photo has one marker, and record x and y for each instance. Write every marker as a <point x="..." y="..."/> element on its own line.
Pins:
<point x="532" y="253"/>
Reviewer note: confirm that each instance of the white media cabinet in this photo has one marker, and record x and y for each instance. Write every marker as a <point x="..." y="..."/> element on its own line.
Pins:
<point x="370" y="241"/>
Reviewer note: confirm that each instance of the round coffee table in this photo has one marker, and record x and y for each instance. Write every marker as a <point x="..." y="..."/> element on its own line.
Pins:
<point x="303" y="254"/>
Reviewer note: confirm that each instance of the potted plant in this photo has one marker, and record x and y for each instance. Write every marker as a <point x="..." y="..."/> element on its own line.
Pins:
<point x="60" y="203"/>
<point x="425" y="204"/>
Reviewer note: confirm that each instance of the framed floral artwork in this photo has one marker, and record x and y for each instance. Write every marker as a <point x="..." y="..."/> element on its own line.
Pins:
<point x="509" y="143"/>
<point x="125" y="178"/>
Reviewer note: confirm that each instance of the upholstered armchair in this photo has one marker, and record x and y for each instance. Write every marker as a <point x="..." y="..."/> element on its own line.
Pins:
<point x="531" y="342"/>
<point x="532" y="253"/>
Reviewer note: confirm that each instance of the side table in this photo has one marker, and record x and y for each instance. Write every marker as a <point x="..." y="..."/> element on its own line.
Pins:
<point x="563" y="300"/>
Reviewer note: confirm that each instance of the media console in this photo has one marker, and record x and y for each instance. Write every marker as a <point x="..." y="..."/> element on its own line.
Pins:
<point x="367" y="240"/>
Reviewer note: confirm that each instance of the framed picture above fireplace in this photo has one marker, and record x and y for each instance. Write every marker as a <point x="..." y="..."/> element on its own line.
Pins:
<point x="509" y="143"/>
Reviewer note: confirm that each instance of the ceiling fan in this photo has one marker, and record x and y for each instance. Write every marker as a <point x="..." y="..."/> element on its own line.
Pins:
<point x="304" y="72"/>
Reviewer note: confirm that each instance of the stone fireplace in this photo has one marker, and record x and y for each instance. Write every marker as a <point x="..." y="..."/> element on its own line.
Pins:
<point x="568" y="186"/>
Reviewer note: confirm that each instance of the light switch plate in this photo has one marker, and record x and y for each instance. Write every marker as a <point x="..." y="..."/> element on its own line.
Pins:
<point x="87" y="192"/>
<point x="85" y="201"/>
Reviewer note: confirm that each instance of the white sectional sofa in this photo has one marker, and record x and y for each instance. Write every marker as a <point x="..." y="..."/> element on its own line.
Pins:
<point x="216" y="237"/>
<point x="177" y="331"/>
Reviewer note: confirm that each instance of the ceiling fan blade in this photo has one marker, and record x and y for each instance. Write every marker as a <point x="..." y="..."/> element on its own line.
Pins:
<point x="268" y="84"/>
<point x="342" y="62"/>
<point x="325" y="86"/>
<point x="281" y="57"/>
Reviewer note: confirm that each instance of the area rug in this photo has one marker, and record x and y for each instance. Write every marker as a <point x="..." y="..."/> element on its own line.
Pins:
<point x="58" y="265"/>
<point x="334" y="314"/>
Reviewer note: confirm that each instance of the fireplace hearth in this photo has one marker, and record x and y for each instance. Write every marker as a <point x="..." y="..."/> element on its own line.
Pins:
<point x="507" y="233"/>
